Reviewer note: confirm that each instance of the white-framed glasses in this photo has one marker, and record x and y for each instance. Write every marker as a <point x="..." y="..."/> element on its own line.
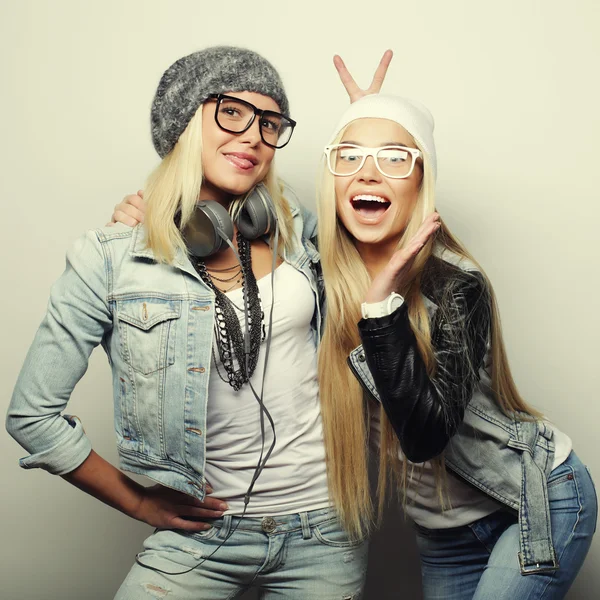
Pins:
<point x="396" y="162"/>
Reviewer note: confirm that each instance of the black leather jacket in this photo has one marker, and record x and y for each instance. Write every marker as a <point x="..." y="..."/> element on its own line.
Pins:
<point x="455" y="410"/>
<point x="427" y="411"/>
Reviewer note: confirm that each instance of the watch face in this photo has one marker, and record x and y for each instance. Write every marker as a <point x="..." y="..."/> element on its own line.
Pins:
<point x="396" y="301"/>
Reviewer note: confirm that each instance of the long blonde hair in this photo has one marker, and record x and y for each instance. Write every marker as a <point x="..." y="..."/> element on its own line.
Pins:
<point x="175" y="186"/>
<point x="345" y="412"/>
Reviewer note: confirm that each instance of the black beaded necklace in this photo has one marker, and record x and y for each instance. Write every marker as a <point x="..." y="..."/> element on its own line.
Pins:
<point x="228" y="332"/>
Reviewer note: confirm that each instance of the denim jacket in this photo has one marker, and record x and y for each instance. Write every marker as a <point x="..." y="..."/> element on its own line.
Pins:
<point x="155" y="323"/>
<point x="506" y="457"/>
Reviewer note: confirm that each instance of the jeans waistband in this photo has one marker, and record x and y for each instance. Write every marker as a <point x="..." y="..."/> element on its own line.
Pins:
<point x="302" y="521"/>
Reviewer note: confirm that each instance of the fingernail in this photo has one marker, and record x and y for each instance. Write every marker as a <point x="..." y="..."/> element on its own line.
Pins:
<point x="223" y="506"/>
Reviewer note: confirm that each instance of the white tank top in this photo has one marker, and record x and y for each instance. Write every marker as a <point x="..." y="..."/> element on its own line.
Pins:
<point x="295" y="477"/>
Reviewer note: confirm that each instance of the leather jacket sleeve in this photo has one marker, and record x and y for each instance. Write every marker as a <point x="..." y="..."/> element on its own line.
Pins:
<point x="424" y="411"/>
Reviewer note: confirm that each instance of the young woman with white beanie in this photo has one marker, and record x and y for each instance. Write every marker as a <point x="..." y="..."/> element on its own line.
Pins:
<point x="503" y="507"/>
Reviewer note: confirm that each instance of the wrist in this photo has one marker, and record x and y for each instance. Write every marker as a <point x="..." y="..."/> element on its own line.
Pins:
<point x="137" y="503"/>
<point x="372" y="310"/>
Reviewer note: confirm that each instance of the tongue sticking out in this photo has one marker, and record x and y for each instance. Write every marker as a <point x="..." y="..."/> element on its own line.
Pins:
<point x="242" y="163"/>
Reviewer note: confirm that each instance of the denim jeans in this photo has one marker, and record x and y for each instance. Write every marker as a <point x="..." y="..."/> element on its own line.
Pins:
<point x="296" y="557"/>
<point x="480" y="560"/>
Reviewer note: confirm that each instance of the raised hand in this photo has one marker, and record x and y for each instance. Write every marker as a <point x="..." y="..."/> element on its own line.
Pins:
<point x="390" y="278"/>
<point x="130" y="211"/>
<point x="168" y="509"/>
<point x="354" y="92"/>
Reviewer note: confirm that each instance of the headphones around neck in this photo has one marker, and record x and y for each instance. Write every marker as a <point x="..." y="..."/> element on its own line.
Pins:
<point x="210" y="229"/>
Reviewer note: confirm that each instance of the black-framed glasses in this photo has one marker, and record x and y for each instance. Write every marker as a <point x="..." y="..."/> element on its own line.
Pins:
<point x="236" y="116"/>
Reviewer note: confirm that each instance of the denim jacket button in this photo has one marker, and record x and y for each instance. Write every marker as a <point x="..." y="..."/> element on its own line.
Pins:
<point x="361" y="357"/>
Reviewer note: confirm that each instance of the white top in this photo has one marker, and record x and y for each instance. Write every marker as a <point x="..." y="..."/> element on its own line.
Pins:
<point x="467" y="503"/>
<point x="295" y="477"/>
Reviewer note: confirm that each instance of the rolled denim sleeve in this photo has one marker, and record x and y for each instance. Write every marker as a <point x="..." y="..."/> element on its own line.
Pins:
<point x="77" y="319"/>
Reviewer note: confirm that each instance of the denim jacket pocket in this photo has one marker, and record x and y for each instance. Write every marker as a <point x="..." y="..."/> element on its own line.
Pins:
<point x="147" y="332"/>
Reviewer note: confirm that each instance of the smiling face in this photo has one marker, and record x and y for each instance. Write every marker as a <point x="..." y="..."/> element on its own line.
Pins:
<point x="373" y="208"/>
<point x="233" y="163"/>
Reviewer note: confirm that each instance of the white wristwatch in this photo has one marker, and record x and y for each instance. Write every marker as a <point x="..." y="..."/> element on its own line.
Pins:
<point x="372" y="310"/>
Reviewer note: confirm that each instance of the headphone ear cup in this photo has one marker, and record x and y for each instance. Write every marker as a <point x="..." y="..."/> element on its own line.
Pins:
<point x="256" y="214"/>
<point x="204" y="232"/>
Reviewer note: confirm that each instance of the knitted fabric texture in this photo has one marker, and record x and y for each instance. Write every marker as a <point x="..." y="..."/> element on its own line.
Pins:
<point x="188" y="82"/>
<point x="410" y="114"/>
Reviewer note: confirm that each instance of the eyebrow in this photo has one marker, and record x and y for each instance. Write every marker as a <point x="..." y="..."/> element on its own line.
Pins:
<point x="384" y="144"/>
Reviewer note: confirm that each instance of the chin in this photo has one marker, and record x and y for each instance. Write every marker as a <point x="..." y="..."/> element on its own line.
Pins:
<point x="372" y="236"/>
<point x="237" y="188"/>
<point x="371" y="240"/>
<point x="366" y="236"/>
<point x="385" y="232"/>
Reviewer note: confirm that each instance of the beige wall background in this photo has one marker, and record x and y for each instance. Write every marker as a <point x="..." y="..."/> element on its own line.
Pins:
<point x="514" y="89"/>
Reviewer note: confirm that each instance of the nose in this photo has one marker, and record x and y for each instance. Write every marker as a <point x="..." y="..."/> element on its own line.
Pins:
<point x="369" y="171"/>
<point x="252" y="135"/>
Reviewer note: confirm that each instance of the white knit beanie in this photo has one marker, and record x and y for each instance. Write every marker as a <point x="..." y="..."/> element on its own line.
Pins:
<point x="410" y="114"/>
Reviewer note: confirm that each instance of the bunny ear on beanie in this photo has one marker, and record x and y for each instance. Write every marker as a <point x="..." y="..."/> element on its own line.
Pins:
<point x="190" y="81"/>
<point x="410" y="114"/>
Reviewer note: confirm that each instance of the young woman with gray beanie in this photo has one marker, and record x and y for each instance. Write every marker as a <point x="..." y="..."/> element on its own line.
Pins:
<point x="503" y="508"/>
<point x="188" y="319"/>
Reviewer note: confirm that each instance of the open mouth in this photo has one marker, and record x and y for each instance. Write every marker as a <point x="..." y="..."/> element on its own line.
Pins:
<point x="369" y="206"/>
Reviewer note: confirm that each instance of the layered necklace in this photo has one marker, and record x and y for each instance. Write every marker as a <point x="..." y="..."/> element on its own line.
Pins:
<point x="234" y="279"/>
<point x="228" y="332"/>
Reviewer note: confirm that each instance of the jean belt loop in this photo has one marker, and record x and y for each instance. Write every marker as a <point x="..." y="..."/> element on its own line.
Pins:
<point x="226" y="527"/>
<point x="306" y="532"/>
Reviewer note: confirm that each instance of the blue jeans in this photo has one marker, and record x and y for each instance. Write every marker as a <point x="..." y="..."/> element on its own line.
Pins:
<point x="296" y="557"/>
<point x="480" y="561"/>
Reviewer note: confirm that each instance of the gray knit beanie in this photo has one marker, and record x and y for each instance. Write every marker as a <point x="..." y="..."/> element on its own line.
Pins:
<point x="187" y="83"/>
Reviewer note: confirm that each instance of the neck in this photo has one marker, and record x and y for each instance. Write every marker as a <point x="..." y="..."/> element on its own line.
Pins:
<point x="210" y="192"/>
<point x="376" y="256"/>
